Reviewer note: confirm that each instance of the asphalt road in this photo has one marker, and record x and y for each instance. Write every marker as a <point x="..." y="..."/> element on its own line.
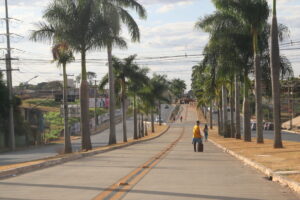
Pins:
<point x="267" y="134"/>
<point x="165" y="168"/>
<point x="98" y="140"/>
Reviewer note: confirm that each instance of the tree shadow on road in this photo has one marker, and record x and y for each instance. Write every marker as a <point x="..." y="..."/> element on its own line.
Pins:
<point x="99" y="189"/>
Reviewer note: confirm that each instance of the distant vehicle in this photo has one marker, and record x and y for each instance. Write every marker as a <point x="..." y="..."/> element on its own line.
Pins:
<point x="253" y="126"/>
<point x="157" y="120"/>
<point x="166" y="107"/>
<point x="268" y="126"/>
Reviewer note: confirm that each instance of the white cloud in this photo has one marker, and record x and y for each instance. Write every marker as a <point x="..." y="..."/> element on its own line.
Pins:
<point x="171" y="6"/>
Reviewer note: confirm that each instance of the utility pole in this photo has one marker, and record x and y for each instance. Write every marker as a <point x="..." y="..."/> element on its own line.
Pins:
<point x="9" y="83"/>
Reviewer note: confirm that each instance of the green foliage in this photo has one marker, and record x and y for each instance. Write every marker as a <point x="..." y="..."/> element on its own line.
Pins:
<point x="177" y="87"/>
<point x="236" y="29"/>
<point x="44" y="102"/>
<point x="21" y="127"/>
<point x="99" y="111"/>
<point x="55" y="125"/>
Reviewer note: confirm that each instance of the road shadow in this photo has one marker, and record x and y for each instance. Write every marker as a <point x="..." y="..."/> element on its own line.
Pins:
<point x="145" y="192"/>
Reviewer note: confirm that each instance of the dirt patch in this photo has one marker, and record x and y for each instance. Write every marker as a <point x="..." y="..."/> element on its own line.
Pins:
<point x="295" y="177"/>
<point x="285" y="159"/>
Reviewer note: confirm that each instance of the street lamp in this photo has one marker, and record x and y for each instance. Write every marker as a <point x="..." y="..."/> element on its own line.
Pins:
<point x="26" y="84"/>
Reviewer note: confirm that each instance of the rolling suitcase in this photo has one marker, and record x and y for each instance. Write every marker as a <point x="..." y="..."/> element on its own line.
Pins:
<point x="200" y="147"/>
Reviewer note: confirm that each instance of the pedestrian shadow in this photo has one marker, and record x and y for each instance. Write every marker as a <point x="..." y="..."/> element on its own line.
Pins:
<point x="145" y="192"/>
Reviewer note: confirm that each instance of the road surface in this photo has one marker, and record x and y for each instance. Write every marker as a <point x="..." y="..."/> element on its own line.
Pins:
<point x="165" y="168"/>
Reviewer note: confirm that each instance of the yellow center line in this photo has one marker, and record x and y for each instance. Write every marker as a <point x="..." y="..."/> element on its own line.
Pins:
<point x="125" y="184"/>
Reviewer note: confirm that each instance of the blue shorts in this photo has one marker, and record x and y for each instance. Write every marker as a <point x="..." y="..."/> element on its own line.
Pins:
<point x="195" y="140"/>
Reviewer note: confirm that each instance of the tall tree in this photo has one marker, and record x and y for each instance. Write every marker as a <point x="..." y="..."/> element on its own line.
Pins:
<point x="63" y="55"/>
<point x="160" y="86"/>
<point x="81" y="26"/>
<point x="136" y="84"/>
<point x="177" y="87"/>
<point x="125" y="70"/>
<point x="275" y="68"/>
<point x="254" y="14"/>
<point x="116" y="12"/>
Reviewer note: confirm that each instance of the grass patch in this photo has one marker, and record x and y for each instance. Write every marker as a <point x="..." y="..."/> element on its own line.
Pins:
<point x="43" y="102"/>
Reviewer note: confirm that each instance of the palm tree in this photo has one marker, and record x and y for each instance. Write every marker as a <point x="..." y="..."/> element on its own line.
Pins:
<point x="160" y="87"/>
<point x="136" y="84"/>
<point x="115" y="12"/>
<point x="254" y="14"/>
<point x="177" y="87"/>
<point x="275" y="67"/>
<point x="81" y="26"/>
<point x="124" y="71"/>
<point x="63" y="55"/>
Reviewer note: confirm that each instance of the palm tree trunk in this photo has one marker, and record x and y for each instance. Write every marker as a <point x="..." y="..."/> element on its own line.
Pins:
<point x="95" y="111"/>
<point x="68" y="145"/>
<point x="231" y="111"/>
<point x="159" y="112"/>
<point x="152" y="121"/>
<point x="135" y="131"/>
<point x="237" y="108"/>
<point x="142" y="124"/>
<point x="84" y="106"/>
<point x="211" y="115"/>
<point x="219" y="121"/>
<point x="139" y="126"/>
<point x="221" y="118"/>
<point x="145" y="125"/>
<point x="275" y="66"/>
<point x="258" y="99"/>
<point x="124" y="112"/>
<point x="225" y="113"/>
<point x="112" y="125"/>
<point x="246" y="111"/>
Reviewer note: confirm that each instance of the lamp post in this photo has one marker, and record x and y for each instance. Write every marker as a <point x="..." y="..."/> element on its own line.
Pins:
<point x="26" y="84"/>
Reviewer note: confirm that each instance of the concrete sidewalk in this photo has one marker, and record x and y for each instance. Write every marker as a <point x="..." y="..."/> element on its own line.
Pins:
<point x="180" y="173"/>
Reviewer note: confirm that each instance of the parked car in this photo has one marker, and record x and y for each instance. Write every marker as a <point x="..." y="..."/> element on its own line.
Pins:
<point x="268" y="126"/>
<point x="157" y="120"/>
<point x="253" y="126"/>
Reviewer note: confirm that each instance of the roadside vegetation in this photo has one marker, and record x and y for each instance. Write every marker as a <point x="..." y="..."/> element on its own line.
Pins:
<point x="237" y="51"/>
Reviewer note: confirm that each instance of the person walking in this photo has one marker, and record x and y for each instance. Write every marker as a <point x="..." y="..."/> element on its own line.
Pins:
<point x="197" y="138"/>
<point x="205" y="130"/>
<point x="180" y="118"/>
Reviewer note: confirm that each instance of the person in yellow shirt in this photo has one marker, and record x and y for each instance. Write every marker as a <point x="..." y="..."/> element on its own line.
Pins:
<point x="197" y="138"/>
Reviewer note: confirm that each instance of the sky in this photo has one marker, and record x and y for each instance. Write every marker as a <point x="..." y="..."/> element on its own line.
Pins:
<point x="167" y="31"/>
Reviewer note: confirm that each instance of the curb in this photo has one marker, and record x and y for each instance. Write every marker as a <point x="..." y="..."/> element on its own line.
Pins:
<point x="273" y="176"/>
<point x="288" y="131"/>
<point x="56" y="161"/>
